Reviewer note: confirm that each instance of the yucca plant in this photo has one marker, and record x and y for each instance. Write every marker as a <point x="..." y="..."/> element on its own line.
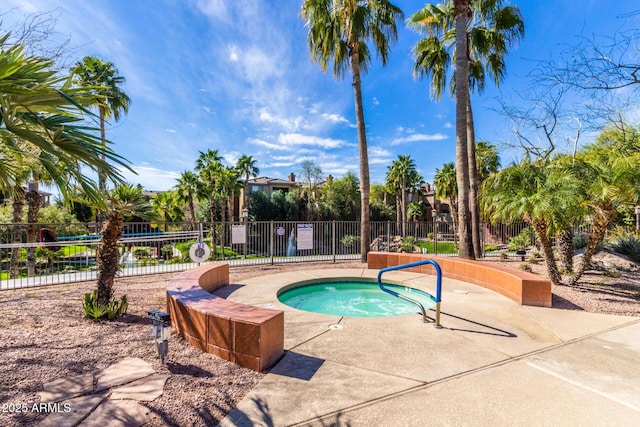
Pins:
<point x="94" y="310"/>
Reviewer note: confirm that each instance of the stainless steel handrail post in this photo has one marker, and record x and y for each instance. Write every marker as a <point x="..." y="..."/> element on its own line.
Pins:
<point x="438" y="297"/>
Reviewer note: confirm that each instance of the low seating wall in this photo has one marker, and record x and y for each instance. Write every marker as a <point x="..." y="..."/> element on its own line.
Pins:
<point x="249" y="336"/>
<point x="522" y="287"/>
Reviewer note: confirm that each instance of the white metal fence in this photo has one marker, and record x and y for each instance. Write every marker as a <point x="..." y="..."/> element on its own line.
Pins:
<point x="161" y="248"/>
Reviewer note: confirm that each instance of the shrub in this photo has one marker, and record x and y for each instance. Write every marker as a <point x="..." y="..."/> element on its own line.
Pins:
<point x="408" y="243"/>
<point x="521" y="241"/>
<point x="625" y="242"/>
<point x="525" y="267"/>
<point x="96" y="311"/>
<point x="489" y="247"/>
<point x="350" y="241"/>
<point x="141" y="252"/>
<point x="580" y="240"/>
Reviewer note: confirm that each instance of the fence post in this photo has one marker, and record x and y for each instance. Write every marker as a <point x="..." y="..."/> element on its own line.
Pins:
<point x="435" y="237"/>
<point x="333" y="239"/>
<point x="271" y="240"/>
<point x="388" y="236"/>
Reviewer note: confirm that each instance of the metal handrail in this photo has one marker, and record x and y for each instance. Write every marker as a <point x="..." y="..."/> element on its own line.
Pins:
<point x="404" y="297"/>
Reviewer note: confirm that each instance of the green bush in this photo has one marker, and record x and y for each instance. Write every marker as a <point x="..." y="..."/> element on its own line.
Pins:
<point x="626" y="242"/>
<point x="96" y="311"/>
<point x="489" y="247"/>
<point x="350" y="241"/>
<point x="141" y="252"/>
<point x="408" y="243"/>
<point x="521" y="241"/>
<point x="580" y="240"/>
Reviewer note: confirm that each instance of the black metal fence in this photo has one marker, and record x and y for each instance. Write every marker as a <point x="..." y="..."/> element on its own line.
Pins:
<point x="40" y="254"/>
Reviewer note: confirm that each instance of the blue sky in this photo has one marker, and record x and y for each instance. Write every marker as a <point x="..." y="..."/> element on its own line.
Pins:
<point x="236" y="76"/>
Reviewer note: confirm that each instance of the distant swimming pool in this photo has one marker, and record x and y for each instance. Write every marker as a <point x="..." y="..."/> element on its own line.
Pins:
<point x="352" y="298"/>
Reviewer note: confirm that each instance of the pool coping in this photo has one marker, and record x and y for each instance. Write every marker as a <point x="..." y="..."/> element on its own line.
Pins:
<point x="524" y="361"/>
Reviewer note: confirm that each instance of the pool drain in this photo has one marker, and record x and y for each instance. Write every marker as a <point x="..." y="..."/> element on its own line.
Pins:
<point x="335" y="326"/>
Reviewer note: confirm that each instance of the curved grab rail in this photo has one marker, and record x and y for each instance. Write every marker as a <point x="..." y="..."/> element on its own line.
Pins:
<point x="404" y="297"/>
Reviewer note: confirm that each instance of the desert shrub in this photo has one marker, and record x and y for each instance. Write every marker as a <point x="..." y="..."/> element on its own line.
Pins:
<point x="96" y="311"/>
<point x="626" y="242"/>
<point x="408" y="243"/>
<point x="521" y="241"/>
<point x="525" y="267"/>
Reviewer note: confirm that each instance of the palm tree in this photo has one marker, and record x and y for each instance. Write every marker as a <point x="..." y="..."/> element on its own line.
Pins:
<point x="609" y="176"/>
<point x="487" y="160"/>
<point x="42" y="115"/>
<point x="208" y="167"/>
<point x="403" y="174"/>
<point x="104" y="82"/>
<point x="447" y="189"/>
<point x="490" y="30"/>
<point x="167" y="207"/>
<point x="246" y="166"/>
<point x="187" y="189"/>
<point x="537" y="192"/>
<point x="123" y="202"/>
<point x="339" y="31"/>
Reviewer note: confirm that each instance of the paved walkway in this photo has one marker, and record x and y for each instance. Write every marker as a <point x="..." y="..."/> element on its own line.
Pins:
<point x="112" y="402"/>
<point x="493" y="363"/>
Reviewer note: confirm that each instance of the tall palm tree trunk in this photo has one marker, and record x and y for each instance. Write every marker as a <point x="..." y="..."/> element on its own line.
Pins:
<point x="404" y="205"/>
<point x="107" y="256"/>
<point x="364" y="157"/>
<point x="16" y="231"/>
<point x="212" y="209"/>
<point x="192" y="210"/>
<point x="462" y="93"/>
<point x="473" y="183"/>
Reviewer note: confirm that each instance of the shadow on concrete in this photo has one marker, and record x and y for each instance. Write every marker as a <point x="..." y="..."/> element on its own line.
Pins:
<point x="227" y="290"/>
<point x="483" y="328"/>
<point x="297" y="365"/>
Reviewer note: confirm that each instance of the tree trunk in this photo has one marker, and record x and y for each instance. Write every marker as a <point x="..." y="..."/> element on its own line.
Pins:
<point x="398" y="212"/>
<point x="108" y="256"/>
<point x="565" y="243"/>
<point x="212" y="209"/>
<point x="102" y="177"/>
<point x="33" y="207"/>
<point x="462" y="93"/>
<point x="454" y="221"/>
<point x="192" y="209"/>
<point x="540" y="228"/>
<point x="473" y="183"/>
<point x="16" y="231"/>
<point x="404" y="205"/>
<point x="599" y="228"/>
<point x="364" y="157"/>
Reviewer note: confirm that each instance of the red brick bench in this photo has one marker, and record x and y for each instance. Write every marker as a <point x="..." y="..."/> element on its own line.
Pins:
<point x="522" y="287"/>
<point x="249" y="336"/>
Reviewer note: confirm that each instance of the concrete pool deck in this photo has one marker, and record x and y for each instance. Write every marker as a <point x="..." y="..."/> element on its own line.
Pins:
<point x="494" y="362"/>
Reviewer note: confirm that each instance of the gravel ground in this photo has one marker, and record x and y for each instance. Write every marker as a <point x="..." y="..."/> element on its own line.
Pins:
<point x="43" y="336"/>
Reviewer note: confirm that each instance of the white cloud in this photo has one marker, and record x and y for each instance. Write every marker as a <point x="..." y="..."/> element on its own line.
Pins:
<point x="213" y="8"/>
<point x="375" y="101"/>
<point x="233" y="53"/>
<point x="336" y="118"/>
<point x="151" y="178"/>
<point x="416" y="137"/>
<point x="288" y="124"/>
<point x="299" y="139"/>
<point x="171" y="130"/>
<point x="448" y="125"/>
<point x="266" y="144"/>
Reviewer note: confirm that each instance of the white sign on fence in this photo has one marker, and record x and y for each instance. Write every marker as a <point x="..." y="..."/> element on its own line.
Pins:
<point x="238" y="234"/>
<point x="305" y="236"/>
